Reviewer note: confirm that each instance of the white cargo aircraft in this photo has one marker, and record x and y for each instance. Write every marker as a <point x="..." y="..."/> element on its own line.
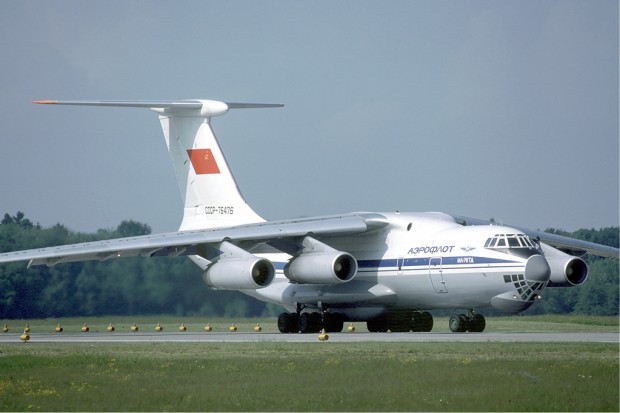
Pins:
<point x="387" y="269"/>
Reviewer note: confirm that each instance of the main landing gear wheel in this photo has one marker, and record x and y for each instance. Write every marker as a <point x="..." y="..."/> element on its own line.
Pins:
<point x="462" y="323"/>
<point x="288" y="323"/>
<point x="402" y="321"/>
<point x="333" y="322"/>
<point x="377" y="325"/>
<point x="421" y="322"/>
<point x="310" y="322"/>
<point x="399" y="321"/>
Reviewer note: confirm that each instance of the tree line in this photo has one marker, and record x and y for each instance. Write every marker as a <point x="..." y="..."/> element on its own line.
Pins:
<point x="162" y="285"/>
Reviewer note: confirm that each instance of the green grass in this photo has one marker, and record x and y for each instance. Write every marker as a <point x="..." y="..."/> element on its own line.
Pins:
<point x="309" y="377"/>
<point x="544" y="323"/>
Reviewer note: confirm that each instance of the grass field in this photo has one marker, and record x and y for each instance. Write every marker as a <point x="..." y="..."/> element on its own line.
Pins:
<point x="558" y="323"/>
<point x="313" y="376"/>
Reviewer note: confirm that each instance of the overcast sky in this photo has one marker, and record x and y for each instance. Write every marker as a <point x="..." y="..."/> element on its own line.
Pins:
<point x="503" y="109"/>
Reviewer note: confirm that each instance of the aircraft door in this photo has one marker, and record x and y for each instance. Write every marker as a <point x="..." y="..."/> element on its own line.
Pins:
<point x="399" y="264"/>
<point x="436" y="273"/>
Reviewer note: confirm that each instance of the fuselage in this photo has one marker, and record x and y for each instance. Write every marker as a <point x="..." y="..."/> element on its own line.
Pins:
<point x="420" y="261"/>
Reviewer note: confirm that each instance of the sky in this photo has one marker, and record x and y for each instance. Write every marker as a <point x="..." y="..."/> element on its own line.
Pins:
<point x="504" y="110"/>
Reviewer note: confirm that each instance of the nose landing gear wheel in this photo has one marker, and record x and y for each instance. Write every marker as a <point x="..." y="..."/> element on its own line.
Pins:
<point x="477" y="323"/>
<point x="462" y="323"/>
<point x="458" y="323"/>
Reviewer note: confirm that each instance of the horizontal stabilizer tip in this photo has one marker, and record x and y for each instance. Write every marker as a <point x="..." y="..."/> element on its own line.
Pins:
<point x="45" y="102"/>
<point x="235" y="105"/>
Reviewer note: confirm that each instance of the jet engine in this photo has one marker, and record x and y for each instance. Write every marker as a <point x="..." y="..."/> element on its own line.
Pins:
<point x="566" y="270"/>
<point x="237" y="269"/>
<point x="327" y="268"/>
<point x="320" y="264"/>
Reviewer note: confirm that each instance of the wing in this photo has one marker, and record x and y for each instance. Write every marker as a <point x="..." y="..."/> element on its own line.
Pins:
<point x="280" y="233"/>
<point x="565" y="244"/>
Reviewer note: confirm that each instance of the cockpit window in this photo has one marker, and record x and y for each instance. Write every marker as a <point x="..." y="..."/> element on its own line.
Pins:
<point x="513" y="241"/>
<point x="515" y="244"/>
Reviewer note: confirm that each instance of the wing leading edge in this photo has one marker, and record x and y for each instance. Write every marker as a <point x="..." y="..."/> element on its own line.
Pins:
<point x="196" y="242"/>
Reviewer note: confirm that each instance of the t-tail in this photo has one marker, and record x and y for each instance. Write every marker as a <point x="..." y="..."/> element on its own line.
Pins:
<point x="210" y="194"/>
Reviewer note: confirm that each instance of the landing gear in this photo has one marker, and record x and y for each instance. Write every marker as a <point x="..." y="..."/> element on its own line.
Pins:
<point x="477" y="323"/>
<point x="377" y="325"/>
<point x="394" y="321"/>
<point x="334" y="323"/>
<point x="461" y="323"/>
<point x="422" y="322"/>
<point x="288" y="323"/>
<point x="458" y="323"/>
<point x="402" y="321"/>
<point x="399" y="321"/>
<point x="310" y="322"/>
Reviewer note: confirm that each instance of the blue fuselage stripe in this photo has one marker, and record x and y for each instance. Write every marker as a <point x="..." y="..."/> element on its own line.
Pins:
<point x="417" y="263"/>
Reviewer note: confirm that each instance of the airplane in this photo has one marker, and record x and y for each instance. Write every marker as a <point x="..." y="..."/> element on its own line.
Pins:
<point x="388" y="269"/>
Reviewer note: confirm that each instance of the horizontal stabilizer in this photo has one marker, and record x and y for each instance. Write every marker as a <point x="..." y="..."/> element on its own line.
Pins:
<point x="205" y="107"/>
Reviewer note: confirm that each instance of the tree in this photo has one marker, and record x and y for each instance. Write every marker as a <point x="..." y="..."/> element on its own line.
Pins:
<point x="599" y="295"/>
<point x="131" y="228"/>
<point x="174" y="285"/>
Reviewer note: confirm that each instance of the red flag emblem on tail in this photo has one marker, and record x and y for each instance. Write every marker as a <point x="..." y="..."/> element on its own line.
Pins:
<point x="203" y="161"/>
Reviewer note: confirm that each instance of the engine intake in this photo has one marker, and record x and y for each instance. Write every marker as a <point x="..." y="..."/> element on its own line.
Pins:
<point x="566" y="270"/>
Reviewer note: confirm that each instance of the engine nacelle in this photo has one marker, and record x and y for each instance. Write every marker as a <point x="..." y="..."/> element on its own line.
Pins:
<point x="238" y="274"/>
<point x="237" y="269"/>
<point x="332" y="267"/>
<point x="234" y="268"/>
<point x="567" y="271"/>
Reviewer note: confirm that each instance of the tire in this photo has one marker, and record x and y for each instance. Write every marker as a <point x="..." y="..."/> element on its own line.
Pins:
<point x="454" y="323"/>
<point x="427" y="321"/>
<point x="458" y="323"/>
<point x="377" y="325"/>
<point x="283" y="323"/>
<point x="305" y="323"/>
<point x="399" y="321"/>
<point x="417" y="322"/>
<point x="309" y="323"/>
<point x="316" y="322"/>
<point x="334" y="323"/>
<point x="477" y="324"/>
<point x="288" y="323"/>
<point x="464" y="323"/>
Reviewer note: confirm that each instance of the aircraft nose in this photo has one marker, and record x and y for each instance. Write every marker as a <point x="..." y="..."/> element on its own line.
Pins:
<point x="537" y="269"/>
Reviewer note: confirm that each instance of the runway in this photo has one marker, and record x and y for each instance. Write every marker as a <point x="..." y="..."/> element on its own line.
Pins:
<point x="237" y="337"/>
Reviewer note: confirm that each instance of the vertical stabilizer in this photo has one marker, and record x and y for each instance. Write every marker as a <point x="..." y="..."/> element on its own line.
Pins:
<point x="210" y="194"/>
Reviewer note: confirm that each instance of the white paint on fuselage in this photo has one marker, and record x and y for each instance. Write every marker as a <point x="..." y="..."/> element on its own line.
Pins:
<point x="394" y="268"/>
